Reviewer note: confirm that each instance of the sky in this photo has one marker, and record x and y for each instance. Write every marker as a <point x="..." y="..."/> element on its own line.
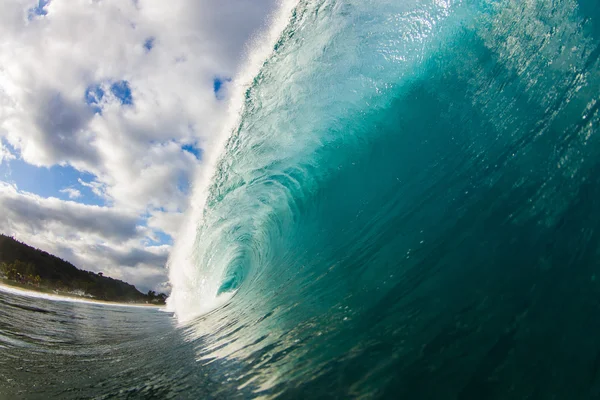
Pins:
<point x="106" y="107"/>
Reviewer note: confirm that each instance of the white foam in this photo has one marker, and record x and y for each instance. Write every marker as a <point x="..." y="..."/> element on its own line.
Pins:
<point x="186" y="300"/>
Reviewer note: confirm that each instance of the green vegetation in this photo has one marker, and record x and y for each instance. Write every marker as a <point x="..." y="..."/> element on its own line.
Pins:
<point x="37" y="270"/>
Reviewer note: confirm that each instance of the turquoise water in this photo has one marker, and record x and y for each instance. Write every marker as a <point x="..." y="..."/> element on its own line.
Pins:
<point x="406" y="208"/>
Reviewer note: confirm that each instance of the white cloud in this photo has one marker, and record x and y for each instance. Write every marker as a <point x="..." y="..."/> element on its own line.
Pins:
<point x="37" y="214"/>
<point x="169" y="223"/>
<point x="53" y="65"/>
<point x="72" y="193"/>
<point x="96" y="187"/>
<point x="49" y="62"/>
<point x="91" y="237"/>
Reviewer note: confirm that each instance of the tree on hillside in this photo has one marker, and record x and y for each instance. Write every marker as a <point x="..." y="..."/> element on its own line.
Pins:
<point x="25" y="264"/>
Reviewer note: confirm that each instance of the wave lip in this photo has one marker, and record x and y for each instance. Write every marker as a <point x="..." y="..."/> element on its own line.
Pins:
<point x="196" y="292"/>
<point x="269" y="158"/>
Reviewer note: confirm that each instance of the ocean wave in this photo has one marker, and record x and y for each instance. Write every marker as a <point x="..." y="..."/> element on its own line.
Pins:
<point x="400" y="177"/>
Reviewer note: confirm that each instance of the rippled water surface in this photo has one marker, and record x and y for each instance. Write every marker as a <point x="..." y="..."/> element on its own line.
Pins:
<point x="67" y="349"/>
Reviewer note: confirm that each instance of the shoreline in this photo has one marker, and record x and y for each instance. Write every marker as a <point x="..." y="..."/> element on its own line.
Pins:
<point x="7" y="288"/>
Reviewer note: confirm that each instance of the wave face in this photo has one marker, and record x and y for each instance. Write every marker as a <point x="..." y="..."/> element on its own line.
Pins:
<point x="408" y="206"/>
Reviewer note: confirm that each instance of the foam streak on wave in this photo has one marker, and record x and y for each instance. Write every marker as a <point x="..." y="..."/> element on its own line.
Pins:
<point x="214" y="256"/>
<point x="195" y="292"/>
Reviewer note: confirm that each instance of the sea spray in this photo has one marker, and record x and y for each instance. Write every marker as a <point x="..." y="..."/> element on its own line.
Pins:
<point x="195" y="291"/>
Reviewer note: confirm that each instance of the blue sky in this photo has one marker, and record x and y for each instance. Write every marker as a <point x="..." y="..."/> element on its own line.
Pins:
<point x="39" y="9"/>
<point x="48" y="182"/>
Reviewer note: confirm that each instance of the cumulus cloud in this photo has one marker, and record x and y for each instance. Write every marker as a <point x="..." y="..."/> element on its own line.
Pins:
<point x="98" y="238"/>
<point x="48" y="213"/>
<point x="118" y="90"/>
<point x="72" y="193"/>
<point x="169" y="223"/>
<point x="82" y="85"/>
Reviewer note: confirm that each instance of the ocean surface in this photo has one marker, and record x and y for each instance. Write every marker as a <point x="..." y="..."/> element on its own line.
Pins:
<point x="406" y="205"/>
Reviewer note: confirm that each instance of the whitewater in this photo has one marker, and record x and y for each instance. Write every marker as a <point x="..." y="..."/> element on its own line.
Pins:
<point x="403" y="203"/>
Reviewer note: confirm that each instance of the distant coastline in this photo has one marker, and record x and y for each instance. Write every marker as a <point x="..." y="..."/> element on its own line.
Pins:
<point x="25" y="291"/>
<point x="31" y="269"/>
